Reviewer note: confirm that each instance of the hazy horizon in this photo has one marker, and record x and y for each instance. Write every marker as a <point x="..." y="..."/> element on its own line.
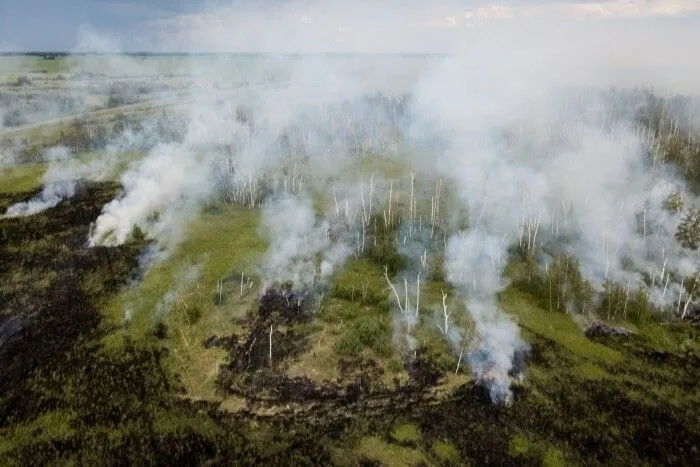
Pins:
<point x="333" y="26"/>
<point x="58" y="53"/>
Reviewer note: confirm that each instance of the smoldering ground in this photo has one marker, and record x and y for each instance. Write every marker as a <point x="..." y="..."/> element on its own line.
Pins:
<point x="505" y="120"/>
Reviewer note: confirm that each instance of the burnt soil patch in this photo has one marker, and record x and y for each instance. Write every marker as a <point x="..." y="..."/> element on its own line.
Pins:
<point x="50" y="281"/>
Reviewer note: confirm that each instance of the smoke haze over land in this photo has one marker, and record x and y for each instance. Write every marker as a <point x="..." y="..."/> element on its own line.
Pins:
<point x="514" y="117"/>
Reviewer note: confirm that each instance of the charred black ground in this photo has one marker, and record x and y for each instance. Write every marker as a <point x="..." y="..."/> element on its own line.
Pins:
<point x="50" y="281"/>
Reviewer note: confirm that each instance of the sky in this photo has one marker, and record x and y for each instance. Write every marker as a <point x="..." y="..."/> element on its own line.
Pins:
<point x="330" y="25"/>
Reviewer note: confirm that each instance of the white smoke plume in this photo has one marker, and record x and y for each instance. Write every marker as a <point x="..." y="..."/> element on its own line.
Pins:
<point x="301" y="249"/>
<point x="52" y="194"/>
<point x="160" y="192"/>
<point x="58" y="185"/>
<point x="475" y="270"/>
<point x="64" y="169"/>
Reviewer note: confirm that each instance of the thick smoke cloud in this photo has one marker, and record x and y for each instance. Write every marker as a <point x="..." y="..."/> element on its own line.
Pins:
<point x="160" y="191"/>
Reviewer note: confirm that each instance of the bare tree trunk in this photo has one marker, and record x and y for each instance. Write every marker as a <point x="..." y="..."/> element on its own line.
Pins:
<point x="270" y="351"/>
<point x="405" y="289"/>
<point x="393" y="289"/>
<point x="627" y="299"/>
<point x="445" y="313"/>
<point x="459" y="360"/>
<point x="410" y="204"/>
<point x="418" y="295"/>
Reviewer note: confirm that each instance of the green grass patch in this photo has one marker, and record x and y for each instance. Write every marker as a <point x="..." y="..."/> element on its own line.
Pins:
<point x="21" y="177"/>
<point x="446" y="453"/>
<point x="362" y="328"/>
<point x="556" y="326"/>
<point x="525" y="449"/>
<point x="553" y="458"/>
<point x="361" y="282"/>
<point x="382" y="166"/>
<point x="53" y="426"/>
<point x="671" y="337"/>
<point x="436" y="347"/>
<point x="235" y="251"/>
<point x="357" y="311"/>
<point x="173" y="422"/>
<point x="406" y="434"/>
<point x="591" y="371"/>
<point x="178" y="300"/>
<point x="374" y="449"/>
<point x="519" y="446"/>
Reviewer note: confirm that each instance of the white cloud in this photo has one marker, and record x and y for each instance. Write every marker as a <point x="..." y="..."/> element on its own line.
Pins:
<point x="570" y="10"/>
<point x="636" y="8"/>
<point x="391" y="26"/>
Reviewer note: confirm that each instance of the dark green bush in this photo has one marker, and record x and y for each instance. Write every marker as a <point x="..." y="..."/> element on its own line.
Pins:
<point x="381" y="247"/>
<point x="137" y="234"/>
<point x="439" y="355"/>
<point x="349" y="345"/>
<point x="366" y="332"/>
<point x="559" y="286"/>
<point x="373" y="334"/>
<point x="688" y="231"/>
<point x="160" y="330"/>
<point x="193" y="314"/>
<point x="627" y="302"/>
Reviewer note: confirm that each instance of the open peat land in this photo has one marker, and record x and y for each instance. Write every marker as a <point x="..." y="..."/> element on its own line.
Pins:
<point x="248" y="260"/>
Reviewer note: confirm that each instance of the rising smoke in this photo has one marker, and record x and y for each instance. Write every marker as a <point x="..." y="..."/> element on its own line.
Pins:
<point x="51" y="194"/>
<point x="536" y="159"/>
<point x="297" y="240"/>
